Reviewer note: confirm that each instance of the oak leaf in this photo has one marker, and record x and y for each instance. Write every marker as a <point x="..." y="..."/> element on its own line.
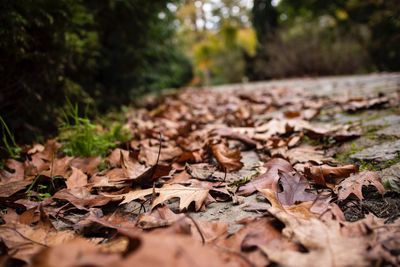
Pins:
<point x="186" y="195"/>
<point x="355" y="183"/>
<point x="325" y="242"/>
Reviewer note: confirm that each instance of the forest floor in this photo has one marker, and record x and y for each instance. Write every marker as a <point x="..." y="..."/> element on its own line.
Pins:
<point x="299" y="172"/>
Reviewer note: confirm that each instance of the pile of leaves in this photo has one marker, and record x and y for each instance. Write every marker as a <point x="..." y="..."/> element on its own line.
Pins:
<point x="190" y="150"/>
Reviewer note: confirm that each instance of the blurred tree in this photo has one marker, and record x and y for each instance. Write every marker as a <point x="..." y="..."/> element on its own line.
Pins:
<point x="265" y="23"/>
<point x="381" y="19"/>
<point x="217" y="34"/>
<point x="265" y="19"/>
<point x="95" y="52"/>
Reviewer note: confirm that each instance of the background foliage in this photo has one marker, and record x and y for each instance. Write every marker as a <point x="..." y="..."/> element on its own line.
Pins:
<point x="99" y="53"/>
<point x="104" y="54"/>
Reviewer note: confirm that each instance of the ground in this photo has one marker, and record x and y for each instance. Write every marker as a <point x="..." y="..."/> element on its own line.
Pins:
<point x="300" y="172"/>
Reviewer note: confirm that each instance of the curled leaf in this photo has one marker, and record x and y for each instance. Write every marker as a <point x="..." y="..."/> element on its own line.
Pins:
<point x="228" y="159"/>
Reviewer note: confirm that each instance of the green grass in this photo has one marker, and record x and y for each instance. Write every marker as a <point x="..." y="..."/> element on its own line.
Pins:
<point x="80" y="137"/>
<point x="8" y="141"/>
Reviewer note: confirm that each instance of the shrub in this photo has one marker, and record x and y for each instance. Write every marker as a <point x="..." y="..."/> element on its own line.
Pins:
<point x="311" y="50"/>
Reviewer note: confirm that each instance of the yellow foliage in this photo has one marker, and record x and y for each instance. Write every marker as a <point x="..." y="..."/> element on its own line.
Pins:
<point x="247" y="40"/>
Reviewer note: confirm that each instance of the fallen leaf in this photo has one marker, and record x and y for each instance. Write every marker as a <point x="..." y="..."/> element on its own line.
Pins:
<point x="76" y="252"/>
<point x="76" y="179"/>
<point x="81" y="198"/>
<point x="361" y="103"/>
<point x="8" y="189"/>
<point x="324" y="241"/>
<point x="230" y="133"/>
<point x="294" y="189"/>
<point x="325" y="244"/>
<point x="114" y="159"/>
<point x="15" y="173"/>
<point x="182" y="251"/>
<point x="302" y="154"/>
<point x="269" y="179"/>
<point x="355" y="183"/>
<point x="228" y="159"/>
<point x="24" y="241"/>
<point x="59" y="167"/>
<point x="159" y="217"/>
<point x="323" y="173"/>
<point x="133" y="170"/>
<point x="87" y="165"/>
<point x="186" y="195"/>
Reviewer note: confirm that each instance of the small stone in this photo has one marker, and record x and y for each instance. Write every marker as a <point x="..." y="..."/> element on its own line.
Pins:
<point x="384" y="121"/>
<point x="379" y="153"/>
<point x="391" y="131"/>
<point x="391" y="176"/>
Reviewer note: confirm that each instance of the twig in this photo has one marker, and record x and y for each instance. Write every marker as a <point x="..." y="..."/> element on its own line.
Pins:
<point x="51" y="171"/>
<point x="158" y="157"/>
<point x="203" y="240"/>
<point x="225" y="174"/>
<point x="142" y="205"/>
<point x="153" y="195"/>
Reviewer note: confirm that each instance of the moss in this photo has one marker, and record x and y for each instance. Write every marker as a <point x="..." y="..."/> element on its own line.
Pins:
<point x="344" y="156"/>
<point x="377" y="166"/>
<point x="368" y="166"/>
<point x="240" y="182"/>
<point x="325" y="141"/>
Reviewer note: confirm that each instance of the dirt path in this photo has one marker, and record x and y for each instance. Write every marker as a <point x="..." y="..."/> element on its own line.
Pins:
<point x="302" y="172"/>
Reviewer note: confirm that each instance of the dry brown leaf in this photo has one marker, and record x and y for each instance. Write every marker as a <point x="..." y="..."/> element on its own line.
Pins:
<point x="180" y="251"/>
<point x="254" y="233"/>
<point x="76" y="252"/>
<point x="159" y="217"/>
<point x="355" y="183"/>
<point x="362" y="103"/>
<point x="16" y="173"/>
<point x="302" y="154"/>
<point x="114" y="159"/>
<point x="269" y="179"/>
<point x="302" y="210"/>
<point x="228" y="159"/>
<point x="294" y="189"/>
<point x="326" y="244"/>
<point x="87" y="165"/>
<point x="325" y="173"/>
<point x="81" y="198"/>
<point x="149" y="154"/>
<point x="133" y="170"/>
<point x="8" y="189"/>
<point x="59" y="167"/>
<point x="76" y="179"/>
<point x="24" y="241"/>
<point x="231" y="133"/>
<point x="186" y="195"/>
<point x="116" y="220"/>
